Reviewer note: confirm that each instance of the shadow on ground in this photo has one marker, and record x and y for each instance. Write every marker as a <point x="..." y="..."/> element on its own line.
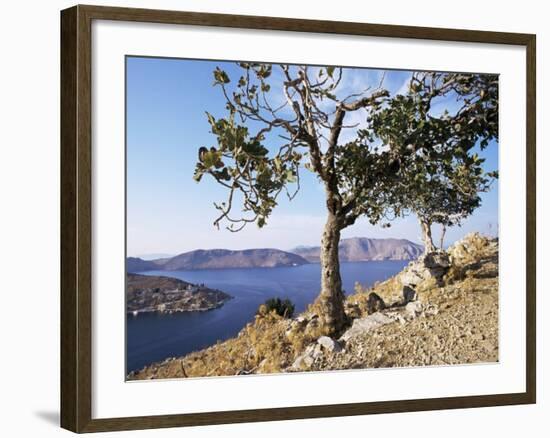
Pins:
<point x="51" y="417"/>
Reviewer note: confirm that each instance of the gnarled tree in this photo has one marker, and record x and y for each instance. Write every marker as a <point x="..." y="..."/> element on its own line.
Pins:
<point x="444" y="177"/>
<point x="303" y="130"/>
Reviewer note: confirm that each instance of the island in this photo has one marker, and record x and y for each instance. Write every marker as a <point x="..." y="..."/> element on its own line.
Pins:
<point x="150" y="293"/>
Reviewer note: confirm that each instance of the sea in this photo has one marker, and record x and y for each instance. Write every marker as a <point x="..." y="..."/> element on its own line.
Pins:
<point x="153" y="337"/>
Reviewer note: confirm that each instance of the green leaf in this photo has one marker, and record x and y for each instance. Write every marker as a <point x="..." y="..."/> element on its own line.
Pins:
<point x="220" y="77"/>
<point x="197" y="176"/>
<point x="290" y="176"/>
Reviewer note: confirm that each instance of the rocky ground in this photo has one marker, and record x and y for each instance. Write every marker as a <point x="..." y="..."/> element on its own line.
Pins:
<point x="440" y="310"/>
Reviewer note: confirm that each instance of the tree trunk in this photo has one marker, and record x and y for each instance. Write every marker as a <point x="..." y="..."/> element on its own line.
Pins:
<point x="427" y="236"/>
<point x="331" y="298"/>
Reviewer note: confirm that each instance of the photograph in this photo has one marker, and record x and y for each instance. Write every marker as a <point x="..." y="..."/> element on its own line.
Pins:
<point x="271" y="219"/>
<point x="287" y="218"/>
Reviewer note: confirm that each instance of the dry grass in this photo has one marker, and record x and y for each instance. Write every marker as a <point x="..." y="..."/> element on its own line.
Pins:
<point x="267" y="345"/>
<point x="390" y="291"/>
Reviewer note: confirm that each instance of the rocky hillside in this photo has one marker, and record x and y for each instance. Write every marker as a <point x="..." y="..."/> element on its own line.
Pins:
<point x="135" y="264"/>
<point x="440" y="310"/>
<point x="148" y="293"/>
<point x="224" y="258"/>
<point x="218" y="259"/>
<point x="361" y="249"/>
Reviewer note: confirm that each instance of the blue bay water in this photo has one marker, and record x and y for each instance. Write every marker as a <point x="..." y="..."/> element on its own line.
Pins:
<point x="152" y="337"/>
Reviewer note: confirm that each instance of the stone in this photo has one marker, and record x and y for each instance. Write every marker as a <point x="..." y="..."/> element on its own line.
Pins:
<point x="366" y="324"/>
<point x="308" y="361"/>
<point x="437" y="260"/>
<point x="329" y="344"/>
<point x="412" y="275"/>
<point x="305" y="360"/>
<point x="409" y="294"/>
<point x="468" y="248"/>
<point x="413" y="309"/>
<point x="437" y="263"/>
<point x="316" y="351"/>
<point x="433" y="265"/>
<point x="375" y="303"/>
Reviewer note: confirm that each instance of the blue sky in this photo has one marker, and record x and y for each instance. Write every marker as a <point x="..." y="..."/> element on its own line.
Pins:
<point x="169" y="213"/>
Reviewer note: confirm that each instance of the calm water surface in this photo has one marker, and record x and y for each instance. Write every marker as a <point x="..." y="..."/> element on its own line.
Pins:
<point x="152" y="337"/>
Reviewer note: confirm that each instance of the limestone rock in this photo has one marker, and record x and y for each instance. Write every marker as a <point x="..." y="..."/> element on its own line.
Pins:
<point x="366" y="324"/>
<point x="437" y="263"/>
<point x="302" y="362"/>
<point x="467" y="250"/>
<point x="433" y="265"/>
<point x="307" y="358"/>
<point x="437" y="260"/>
<point x="329" y="344"/>
<point x="413" y="309"/>
<point x="315" y="351"/>
<point x="412" y="275"/>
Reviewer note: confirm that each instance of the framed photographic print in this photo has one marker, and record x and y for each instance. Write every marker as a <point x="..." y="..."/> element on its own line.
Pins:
<point x="304" y="218"/>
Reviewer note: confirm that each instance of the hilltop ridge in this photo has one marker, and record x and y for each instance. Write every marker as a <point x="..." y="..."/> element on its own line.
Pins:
<point x="362" y="249"/>
<point x="218" y="259"/>
<point x="351" y="250"/>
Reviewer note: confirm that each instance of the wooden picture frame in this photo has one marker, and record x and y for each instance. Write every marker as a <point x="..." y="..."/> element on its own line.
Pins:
<point x="76" y="218"/>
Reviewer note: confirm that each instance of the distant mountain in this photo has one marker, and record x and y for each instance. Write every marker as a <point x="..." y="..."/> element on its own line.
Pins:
<point x="224" y="258"/>
<point x="218" y="259"/>
<point x="155" y="256"/>
<point x="360" y="249"/>
<point x="357" y="249"/>
<point x="135" y="264"/>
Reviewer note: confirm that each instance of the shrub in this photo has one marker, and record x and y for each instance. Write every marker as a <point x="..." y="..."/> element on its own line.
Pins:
<point x="283" y="308"/>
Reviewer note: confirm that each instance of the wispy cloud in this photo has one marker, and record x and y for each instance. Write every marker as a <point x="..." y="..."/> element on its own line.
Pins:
<point x="404" y="88"/>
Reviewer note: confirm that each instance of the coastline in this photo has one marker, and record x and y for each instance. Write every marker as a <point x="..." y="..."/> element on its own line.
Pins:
<point x="171" y="311"/>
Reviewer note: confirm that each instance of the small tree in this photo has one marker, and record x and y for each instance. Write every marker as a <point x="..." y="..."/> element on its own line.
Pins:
<point x="306" y="126"/>
<point x="284" y="308"/>
<point x="443" y="179"/>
